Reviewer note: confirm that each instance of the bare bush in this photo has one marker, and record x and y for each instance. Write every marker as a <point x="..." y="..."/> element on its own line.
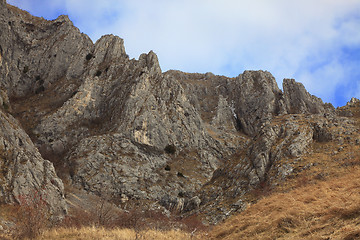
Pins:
<point x="102" y="214"/>
<point x="105" y="214"/>
<point x="78" y="218"/>
<point x="32" y="215"/>
<point x="192" y="224"/>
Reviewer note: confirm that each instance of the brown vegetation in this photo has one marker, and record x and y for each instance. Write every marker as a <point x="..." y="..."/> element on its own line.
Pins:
<point x="87" y="233"/>
<point x="103" y="221"/>
<point x="326" y="210"/>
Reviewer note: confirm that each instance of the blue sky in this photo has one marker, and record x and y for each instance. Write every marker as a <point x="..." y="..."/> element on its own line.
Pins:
<point x="317" y="42"/>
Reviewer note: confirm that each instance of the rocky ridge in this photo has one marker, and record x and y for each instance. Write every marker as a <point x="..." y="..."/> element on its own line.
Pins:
<point x="24" y="172"/>
<point x="122" y="128"/>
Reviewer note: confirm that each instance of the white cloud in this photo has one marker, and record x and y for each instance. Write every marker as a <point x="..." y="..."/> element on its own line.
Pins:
<point x="300" y="39"/>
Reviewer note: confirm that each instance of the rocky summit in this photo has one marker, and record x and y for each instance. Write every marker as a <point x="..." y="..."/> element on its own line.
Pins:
<point x="85" y="115"/>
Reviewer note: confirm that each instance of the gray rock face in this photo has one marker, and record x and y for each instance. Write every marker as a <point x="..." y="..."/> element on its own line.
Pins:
<point x="120" y="127"/>
<point x="129" y="97"/>
<point x="298" y="100"/>
<point x="272" y="156"/>
<point x="140" y="109"/>
<point x="36" y="53"/>
<point x="118" y="166"/>
<point x="24" y="173"/>
<point x="259" y="99"/>
<point x="253" y="98"/>
<point x="284" y="139"/>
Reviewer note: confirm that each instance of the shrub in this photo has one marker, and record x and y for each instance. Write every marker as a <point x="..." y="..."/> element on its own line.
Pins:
<point x="74" y="93"/>
<point x="262" y="190"/>
<point x="192" y="224"/>
<point x="105" y="213"/>
<point x="170" y="149"/>
<point x="89" y="56"/>
<point x="102" y="214"/>
<point x="167" y="168"/>
<point x="179" y="174"/>
<point x="32" y="215"/>
<point x="26" y="69"/>
<point x="5" y="106"/>
<point x="78" y="218"/>
<point x="39" y="89"/>
<point x="98" y="73"/>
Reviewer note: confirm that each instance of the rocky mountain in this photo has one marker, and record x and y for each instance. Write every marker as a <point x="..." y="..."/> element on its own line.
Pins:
<point x="122" y="128"/>
<point x="24" y="172"/>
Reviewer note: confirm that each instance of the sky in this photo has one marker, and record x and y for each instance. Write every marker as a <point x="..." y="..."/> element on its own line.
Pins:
<point x="316" y="42"/>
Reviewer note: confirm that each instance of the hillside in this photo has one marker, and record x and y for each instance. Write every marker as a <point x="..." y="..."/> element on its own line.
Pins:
<point x="87" y="131"/>
<point x="326" y="210"/>
<point x="319" y="202"/>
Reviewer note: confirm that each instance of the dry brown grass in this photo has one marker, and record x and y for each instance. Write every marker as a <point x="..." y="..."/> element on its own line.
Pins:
<point x="87" y="233"/>
<point x="326" y="210"/>
<point x="26" y="15"/>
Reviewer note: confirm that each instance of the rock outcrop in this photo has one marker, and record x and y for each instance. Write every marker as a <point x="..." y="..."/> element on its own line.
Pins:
<point x="258" y="100"/>
<point x="298" y="100"/>
<point x="24" y="173"/>
<point x="122" y="128"/>
<point x="37" y="53"/>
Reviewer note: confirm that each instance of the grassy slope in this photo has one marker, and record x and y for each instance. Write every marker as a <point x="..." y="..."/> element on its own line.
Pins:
<point x="326" y="210"/>
<point x="90" y="233"/>
<point x="101" y="233"/>
<point x="322" y="202"/>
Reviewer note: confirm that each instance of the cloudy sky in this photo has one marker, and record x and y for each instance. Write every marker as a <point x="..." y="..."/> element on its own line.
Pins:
<point x="317" y="42"/>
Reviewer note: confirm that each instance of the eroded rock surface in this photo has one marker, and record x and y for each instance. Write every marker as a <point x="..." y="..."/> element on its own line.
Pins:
<point x="24" y="173"/>
<point x="122" y="128"/>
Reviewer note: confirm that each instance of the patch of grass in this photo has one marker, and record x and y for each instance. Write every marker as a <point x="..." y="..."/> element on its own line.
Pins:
<point x="92" y="232"/>
<point x="328" y="209"/>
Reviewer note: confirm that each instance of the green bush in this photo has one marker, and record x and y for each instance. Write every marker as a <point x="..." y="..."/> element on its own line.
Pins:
<point x="26" y="69"/>
<point x="170" y="149"/>
<point x="89" y="56"/>
<point x="98" y="73"/>
<point x="5" y="106"/>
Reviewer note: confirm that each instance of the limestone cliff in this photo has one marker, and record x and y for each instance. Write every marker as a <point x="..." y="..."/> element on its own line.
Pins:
<point x="122" y="128"/>
<point x="24" y="172"/>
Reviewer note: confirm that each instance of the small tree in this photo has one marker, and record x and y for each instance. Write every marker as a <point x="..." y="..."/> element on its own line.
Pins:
<point x="170" y="149"/>
<point x="32" y="215"/>
<point x="105" y="213"/>
<point x="98" y="73"/>
<point x="89" y="56"/>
